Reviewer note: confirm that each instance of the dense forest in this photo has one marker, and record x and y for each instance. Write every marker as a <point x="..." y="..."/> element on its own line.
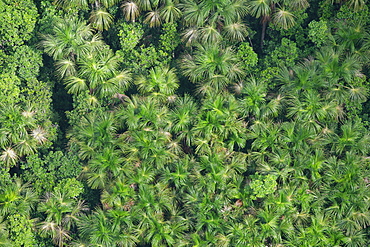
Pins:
<point x="184" y="123"/>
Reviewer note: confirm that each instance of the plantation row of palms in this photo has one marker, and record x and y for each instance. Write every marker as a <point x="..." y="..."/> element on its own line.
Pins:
<point x="193" y="144"/>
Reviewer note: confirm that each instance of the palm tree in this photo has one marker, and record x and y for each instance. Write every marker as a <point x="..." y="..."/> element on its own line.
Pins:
<point x="280" y="13"/>
<point x="351" y="138"/>
<point x="212" y="67"/>
<point x="98" y="73"/>
<point x="119" y="194"/>
<point x="103" y="168"/>
<point x="101" y="19"/>
<point x="352" y="35"/>
<point x="70" y="39"/>
<point x="298" y="137"/>
<point x="4" y="238"/>
<point x="269" y="138"/>
<point x="157" y="12"/>
<point x="94" y="134"/>
<point x="303" y="76"/>
<point x="313" y="107"/>
<point x="98" y="229"/>
<point x="170" y="12"/>
<point x="21" y="133"/>
<point x="355" y="5"/>
<point x="153" y="18"/>
<point x="130" y="10"/>
<point x="160" y="232"/>
<point x="16" y="198"/>
<point x="219" y="124"/>
<point x="17" y="204"/>
<point x="161" y="83"/>
<point x="62" y="214"/>
<point x="144" y="113"/>
<point x="254" y="97"/>
<point x="208" y="19"/>
<point x="337" y="66"/>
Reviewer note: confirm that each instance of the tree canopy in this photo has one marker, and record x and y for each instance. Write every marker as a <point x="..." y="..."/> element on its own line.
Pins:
<point x="184" y="123"/>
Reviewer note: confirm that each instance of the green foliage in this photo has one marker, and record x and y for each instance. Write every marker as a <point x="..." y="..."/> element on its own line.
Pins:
<point x="70" y="187"/>
<point x="49" y="12"/>
<point x="5" y="177"/>
<point x="267" y="147"/>
<point x="297" y="33"/>
<point x="23" y="65"/>
<point x="326" y="10"/>
<point x="21" y="230"/>
<point x="25" y="61"/>
<point x="54" y="169"/>
<point x="319" y="33"/>
<point x="147" y="57"/>
<point x="140" y="57"/>
<point x="130" y="35"/>
<point x="262" y="185"/>
<point x="18" y="22"/>
<point x="247" y="56"/>
<point x="83" y="104"/>
<point x="9" y="88"/>
<point x="213" y="68"/>
<point x="169" y="40"/>
<point x="284" y="54"/>
<point x="268" y="75"/>
<point x="346" y="13"/>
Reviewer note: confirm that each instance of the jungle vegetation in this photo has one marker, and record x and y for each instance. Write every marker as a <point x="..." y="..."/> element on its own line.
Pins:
<point x="156" y="123"/>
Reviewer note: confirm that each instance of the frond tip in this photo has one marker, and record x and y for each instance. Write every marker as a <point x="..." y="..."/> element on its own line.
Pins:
<point x="130" y="11"/>
<point x="9" y="157"/>
<point x="101" y="19"/>
<point x="39" y="134"/>
<point x="283" y="19"/>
